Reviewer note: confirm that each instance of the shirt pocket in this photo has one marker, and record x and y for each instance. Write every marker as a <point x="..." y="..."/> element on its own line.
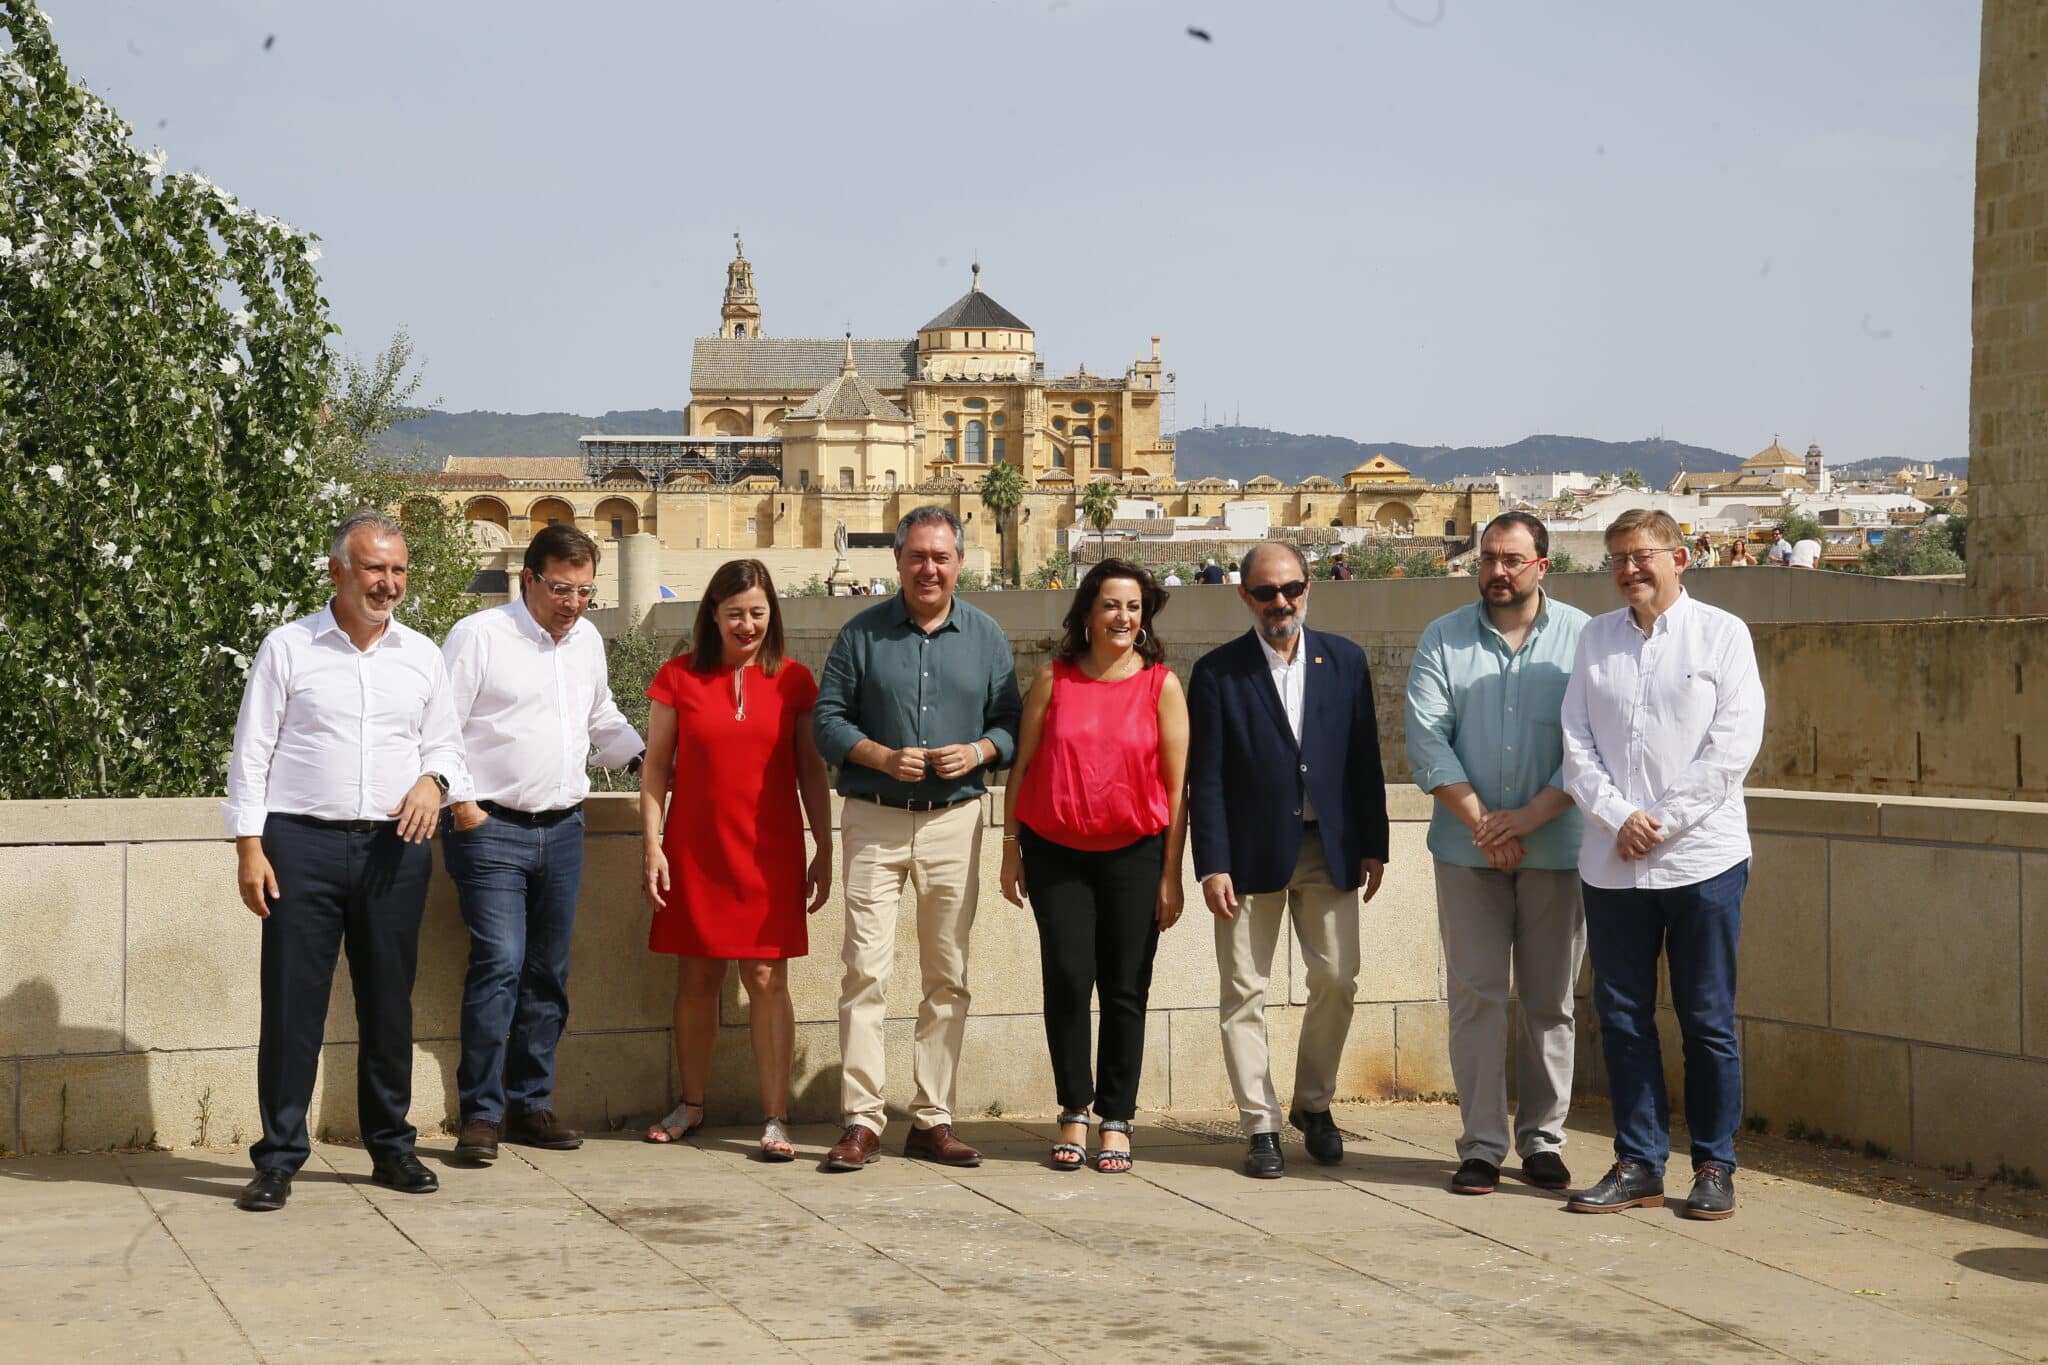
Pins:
<point x="1685" y="699"/>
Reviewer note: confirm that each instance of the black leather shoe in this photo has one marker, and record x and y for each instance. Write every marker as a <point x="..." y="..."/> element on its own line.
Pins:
<point x="266" y="1193"/>
<point x="1546" y="1171"/>
<point x="1319" y="1134"/>
<point x="1475" y="1177"/>
<point x="1263" y="1161"/>
<point x="1628" y="1185"/>
<point x="405" y="1174"/>
<point x="1713" y="1193"/>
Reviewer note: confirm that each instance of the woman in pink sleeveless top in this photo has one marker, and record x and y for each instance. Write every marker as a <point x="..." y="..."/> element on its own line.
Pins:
<point x="1092" y="835"/>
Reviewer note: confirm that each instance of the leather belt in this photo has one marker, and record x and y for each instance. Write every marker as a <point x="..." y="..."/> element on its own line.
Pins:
<point x="535" y="819"/>
<point x="345" y="826"/>
<point x="912" y="802"/>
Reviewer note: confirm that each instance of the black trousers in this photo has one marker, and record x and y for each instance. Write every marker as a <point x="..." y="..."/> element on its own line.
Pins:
<point x="1097" y="931"/>
<point x="362" y="886"/>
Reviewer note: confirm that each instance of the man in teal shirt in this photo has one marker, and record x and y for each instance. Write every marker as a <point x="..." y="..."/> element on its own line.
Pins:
<point x="1486" y="739"/>
<point x="917" y="702"/>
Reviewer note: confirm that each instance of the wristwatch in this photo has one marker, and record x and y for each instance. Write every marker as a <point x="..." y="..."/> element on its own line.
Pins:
<point x="440" y="782"/>
<point x="633" y="764"/>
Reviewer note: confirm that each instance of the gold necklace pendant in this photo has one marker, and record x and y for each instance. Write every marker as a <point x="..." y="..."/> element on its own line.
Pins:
<point x="739" y="693"/>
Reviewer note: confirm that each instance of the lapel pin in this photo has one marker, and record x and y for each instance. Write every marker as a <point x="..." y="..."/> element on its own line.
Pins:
<point x="1319" y="658"/>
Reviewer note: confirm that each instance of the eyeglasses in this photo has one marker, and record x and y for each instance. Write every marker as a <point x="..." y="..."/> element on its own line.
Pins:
<point x="1643" y="559"/>
<point x="567" y="590"/>
<point x="1266" y="592"/>
<point x="1512" y="563"/>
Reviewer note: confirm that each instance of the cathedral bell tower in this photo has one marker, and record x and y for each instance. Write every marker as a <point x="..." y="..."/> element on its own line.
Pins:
<point x="740" y="317"/>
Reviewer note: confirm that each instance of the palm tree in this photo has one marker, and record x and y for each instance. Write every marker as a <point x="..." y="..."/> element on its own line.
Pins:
<point x="1632" y="478"/>
<point x="1002" y="490"/>
<point x="1098" y="509"/>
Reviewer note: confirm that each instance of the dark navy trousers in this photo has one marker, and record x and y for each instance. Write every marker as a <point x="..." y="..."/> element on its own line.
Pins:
<point x="353" y="885"/>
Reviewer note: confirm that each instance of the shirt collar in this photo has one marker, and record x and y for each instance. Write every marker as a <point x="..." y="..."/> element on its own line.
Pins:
<point x="533" y="630"/>
<point x="325" y="624"/>
<point x="1274" y="659"/>
<point x="1485" y="617"/>
<point x="1665" y="618"/>
<point x="901" y="614"/>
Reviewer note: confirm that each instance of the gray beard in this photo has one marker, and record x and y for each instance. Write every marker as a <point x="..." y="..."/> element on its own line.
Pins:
<point x="1278" y="632"/>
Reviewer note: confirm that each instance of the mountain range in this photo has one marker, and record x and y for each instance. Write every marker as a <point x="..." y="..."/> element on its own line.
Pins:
<point x="1228" y="452"/>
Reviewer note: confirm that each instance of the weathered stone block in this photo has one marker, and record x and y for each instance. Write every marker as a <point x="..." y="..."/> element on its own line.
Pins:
<point x="608" y="1081"/>
<point x="194" y="950"/>
<point x="2034" y="950"/>
<point x="1422" y="1049"/>
<point x="1984" y="1110"/>
<point x="178" y="1099"/>
<point x="60" y="950"/>
<point x="1783" y="954"/>
<point x="1847" y="1084"/>
<point x="1893" y="910"/>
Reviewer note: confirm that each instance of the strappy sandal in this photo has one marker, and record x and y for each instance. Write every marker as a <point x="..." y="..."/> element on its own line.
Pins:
<point x="1108" y="1160"/>
<point x="1069" y="1156"/>
<point x="775" y="1143"/>
<point x="676" y="1126"/>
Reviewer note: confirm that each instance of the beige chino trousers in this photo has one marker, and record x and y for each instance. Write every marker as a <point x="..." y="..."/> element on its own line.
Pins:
<point x="938" y="854"/>
<point x="1326" y="927"/>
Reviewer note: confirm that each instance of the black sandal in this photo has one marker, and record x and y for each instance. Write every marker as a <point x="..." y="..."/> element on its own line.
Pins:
<point x="1069" y="1156"/>
<point x="1108" y="1160"/>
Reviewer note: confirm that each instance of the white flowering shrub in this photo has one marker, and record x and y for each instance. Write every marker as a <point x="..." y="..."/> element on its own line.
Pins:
<point x="168" y="491"/>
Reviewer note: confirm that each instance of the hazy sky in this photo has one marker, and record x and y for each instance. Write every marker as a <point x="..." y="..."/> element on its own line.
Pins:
<point x="1457" y="221"/>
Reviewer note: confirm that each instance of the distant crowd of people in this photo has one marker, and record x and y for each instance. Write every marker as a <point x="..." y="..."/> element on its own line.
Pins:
<point x="1587" y="777"/>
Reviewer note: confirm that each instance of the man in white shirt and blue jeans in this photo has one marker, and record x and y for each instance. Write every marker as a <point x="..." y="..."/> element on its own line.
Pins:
<point x="1663" y="717"/>
<point x="345" y="748"/>
<point x="532" y="695"/>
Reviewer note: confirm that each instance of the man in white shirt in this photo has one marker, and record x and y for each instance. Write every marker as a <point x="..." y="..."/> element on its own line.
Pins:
<point x="345" y="748"/>
<point x="1172" y="578"/>
<point x="1806" y="554"/>
<point x="1663" y="717"/>
<point x="532" y="695"/>
<point x="1780" y="553"/>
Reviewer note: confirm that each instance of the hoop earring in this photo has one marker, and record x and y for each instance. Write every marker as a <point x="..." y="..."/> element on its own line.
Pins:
<point x="1085" y="639"/>
<point x="1142" y="637"/>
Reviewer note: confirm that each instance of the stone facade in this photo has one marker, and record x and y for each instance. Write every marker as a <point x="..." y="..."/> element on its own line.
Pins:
<point x="2009" y="316"/>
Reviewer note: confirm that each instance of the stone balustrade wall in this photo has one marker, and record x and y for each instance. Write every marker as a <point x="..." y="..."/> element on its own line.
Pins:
<point x="1894" y="986"/>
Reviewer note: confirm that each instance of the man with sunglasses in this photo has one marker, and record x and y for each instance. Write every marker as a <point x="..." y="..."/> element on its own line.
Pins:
<point x="1662" y="719"/>
<point x="1288" y="809"/>
<point x="533" y="696"/>
<point x="1484" y="694"/>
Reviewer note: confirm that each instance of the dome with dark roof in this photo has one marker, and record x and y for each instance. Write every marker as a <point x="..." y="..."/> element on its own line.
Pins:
<point x="976" y="309"/>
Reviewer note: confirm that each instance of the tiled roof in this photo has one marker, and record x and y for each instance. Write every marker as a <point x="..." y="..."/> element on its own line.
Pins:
<point x="976" y="309"/>
<point x="795" y="364"/>
<point x="848" y="395"/>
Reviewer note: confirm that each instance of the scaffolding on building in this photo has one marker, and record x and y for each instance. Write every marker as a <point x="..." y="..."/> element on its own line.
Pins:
<point x="719" y="460"/>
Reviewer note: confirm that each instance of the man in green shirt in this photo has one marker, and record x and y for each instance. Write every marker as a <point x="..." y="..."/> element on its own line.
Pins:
<point x="1485" y="738"/>
<point x="918" y="700"/>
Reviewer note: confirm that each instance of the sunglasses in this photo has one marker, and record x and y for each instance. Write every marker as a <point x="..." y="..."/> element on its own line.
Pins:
<point x="1266" y="592"/>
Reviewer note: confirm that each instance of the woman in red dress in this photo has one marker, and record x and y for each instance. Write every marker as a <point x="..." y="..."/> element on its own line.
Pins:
<point x="727" y="876"/>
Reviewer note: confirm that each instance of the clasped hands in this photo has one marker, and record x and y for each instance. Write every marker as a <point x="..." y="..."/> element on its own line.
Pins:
<point x="954" y="760"/>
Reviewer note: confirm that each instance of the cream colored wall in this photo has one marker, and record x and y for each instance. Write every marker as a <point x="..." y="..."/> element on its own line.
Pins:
<point x="128" y="1007"/>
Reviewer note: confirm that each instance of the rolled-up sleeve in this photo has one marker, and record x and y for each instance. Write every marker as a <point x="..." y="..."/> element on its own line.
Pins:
<point x="256" y="730"/>
<point x="839" y="700"/>
<point x="1005" y="704"/>
<point x="1432" y="717"/>
<point x="614" y="737"/>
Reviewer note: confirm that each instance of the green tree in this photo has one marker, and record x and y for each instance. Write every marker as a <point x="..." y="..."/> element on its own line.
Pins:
<point x="1002" y="492"/>
<point x="1904" y="554"/>
<point x="1632" y="478"/>
<point x="1798" y="526"/>
<point x="1372" y="559"/>
<point x="1954" y="531"/>
<point x="1059" y="567"/>
<point x="1422" y="564"/>
<point x="168" y="491"/>
<point x="1562" y="561"/>
<point x="1098" y="509"/>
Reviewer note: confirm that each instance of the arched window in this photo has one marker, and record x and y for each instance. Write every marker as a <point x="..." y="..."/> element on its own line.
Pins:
<point x="739" y="330"/>
<point x="1081" y="429"/>
<point x="888" y="478"/>
<point x="845" y="479"/>
<point x="977" y="452"/>
<point x="1450" y="527"/>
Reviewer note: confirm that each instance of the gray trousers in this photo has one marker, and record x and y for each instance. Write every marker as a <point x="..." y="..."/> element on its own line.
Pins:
<point x="1533" y="919"/>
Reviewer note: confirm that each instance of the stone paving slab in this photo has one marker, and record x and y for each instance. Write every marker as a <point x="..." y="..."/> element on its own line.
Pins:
<point x="629" y="1252"/>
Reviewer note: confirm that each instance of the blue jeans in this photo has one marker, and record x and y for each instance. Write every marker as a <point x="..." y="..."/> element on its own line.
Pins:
<point x="1696" y="927"/>
<point x="518" y="887"/>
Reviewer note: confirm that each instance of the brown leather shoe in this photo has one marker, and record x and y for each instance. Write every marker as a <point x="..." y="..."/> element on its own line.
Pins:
<point x="541" y="1129"/>
<point x="857" y="1146"/>
<point x="478" y="1141"/>
<point x="938" y="1144"/>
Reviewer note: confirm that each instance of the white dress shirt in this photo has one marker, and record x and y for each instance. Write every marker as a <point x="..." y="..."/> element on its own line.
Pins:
<point x="531" y="707"/>
<point x="1806" y="555"/>
<point x="1666" y="723"/>
<point x="1290" y="680"/>
<point x="336" y="732"/>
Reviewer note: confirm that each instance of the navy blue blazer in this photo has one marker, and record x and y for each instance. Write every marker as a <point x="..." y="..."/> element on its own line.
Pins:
<point x="1247" y="776"/>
